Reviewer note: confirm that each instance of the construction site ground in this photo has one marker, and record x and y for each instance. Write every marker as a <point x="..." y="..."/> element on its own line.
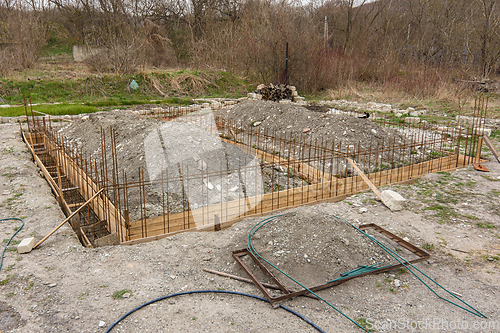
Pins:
<point x="64" y="287"/>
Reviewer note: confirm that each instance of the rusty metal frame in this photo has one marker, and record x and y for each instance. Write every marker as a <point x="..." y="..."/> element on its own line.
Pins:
<point x="238" y="254"/>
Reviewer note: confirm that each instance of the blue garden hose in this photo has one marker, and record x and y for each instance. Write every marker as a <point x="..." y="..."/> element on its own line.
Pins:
<point x="212" y="291"/>
<point x="5" y="248"/>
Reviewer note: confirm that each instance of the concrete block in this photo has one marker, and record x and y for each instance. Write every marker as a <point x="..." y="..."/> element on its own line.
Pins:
<point x="26" y="245"/>
<point x="393" y="200"/>
<point x="285" y="101"/>
<point x="484" y="131"/>
<point x="412" y="120"/>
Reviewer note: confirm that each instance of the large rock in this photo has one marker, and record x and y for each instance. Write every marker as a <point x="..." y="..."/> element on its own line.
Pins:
<point x="393" y="200"/>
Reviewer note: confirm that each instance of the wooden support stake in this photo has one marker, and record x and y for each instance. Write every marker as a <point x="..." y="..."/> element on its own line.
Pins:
<point x="242" y="279"/>
<point x="367" y="181"/>
<point x="490" y="145"/>
<point x="216" y="222"/>
<point x="479" y="148"/>
<point x="68" y="218"/>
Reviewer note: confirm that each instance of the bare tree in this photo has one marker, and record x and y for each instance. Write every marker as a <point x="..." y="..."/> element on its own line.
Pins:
<point x="487" y="28"/>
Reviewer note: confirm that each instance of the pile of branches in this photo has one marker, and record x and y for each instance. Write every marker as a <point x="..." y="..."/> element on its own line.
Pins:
<point x="274" y="92"/>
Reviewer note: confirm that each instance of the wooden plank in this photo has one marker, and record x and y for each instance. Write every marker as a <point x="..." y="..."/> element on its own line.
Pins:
<point x="492" y="148"/>
<point x="103" y="207"/>
<point x="85" y="239"/>
<point x="306" y="195"/>
<point x="38" y="162"/>
<point x="479" y="147"/>
<point x="304" y="170"/>
<point x="227" y="224"/>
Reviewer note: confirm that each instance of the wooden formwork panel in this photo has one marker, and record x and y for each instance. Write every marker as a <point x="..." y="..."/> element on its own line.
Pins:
<point x="101" y="205"/>
<point x="232" y="211"/>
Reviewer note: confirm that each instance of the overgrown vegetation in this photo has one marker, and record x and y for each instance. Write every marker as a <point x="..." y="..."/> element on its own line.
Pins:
<point x="91" y="91"/>
<point x="432" y="51"/>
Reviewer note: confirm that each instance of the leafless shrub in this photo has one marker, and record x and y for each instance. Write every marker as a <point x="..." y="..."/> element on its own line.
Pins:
<point x="22" y="35"/>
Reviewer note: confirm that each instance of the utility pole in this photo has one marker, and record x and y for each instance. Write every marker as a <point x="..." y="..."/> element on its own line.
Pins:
<point x="325" y="33"/>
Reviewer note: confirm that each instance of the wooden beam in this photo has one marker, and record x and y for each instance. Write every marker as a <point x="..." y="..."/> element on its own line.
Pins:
<point x="67" y="219"/>
<point x="102" y="206"/>
<point x="335" y="190"/>
<point x="367" y="181"/>
<point x="492" y="148"/>
<point x="304" y="170"/>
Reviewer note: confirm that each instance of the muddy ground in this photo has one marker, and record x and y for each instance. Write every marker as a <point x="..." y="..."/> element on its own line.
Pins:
<point x="64" y="287"/>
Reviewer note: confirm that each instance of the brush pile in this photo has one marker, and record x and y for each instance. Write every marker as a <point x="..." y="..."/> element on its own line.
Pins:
<point x="274" y="92"/>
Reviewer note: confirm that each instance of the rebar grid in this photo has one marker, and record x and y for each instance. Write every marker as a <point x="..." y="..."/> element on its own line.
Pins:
<point x="279" y="170"/>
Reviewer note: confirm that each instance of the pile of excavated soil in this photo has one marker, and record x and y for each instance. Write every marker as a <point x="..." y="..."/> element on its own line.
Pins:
<point x="173" y="150"/>
<point x="315" y="247"/>
<point x="295" y="119"/>
<point x="345" y="133"/>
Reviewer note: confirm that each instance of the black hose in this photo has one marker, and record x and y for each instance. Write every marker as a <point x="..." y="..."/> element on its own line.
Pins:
<point x="212" y="291"/>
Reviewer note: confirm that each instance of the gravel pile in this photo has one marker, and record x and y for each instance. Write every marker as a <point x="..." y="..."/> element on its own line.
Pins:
<point x="315" y="247"/>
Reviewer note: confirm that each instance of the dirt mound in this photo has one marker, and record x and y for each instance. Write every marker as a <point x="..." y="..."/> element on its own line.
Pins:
<point x="295" y="119"/>
<point x="315" y="247"/>
<point x="131" y="131"/>
<point x="202" y="170"/>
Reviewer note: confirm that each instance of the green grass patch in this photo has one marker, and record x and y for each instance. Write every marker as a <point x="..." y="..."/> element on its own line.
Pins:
<point x="54" y="110"/>
<point x="446" y="199"/>
<point x="108" y="90"/>
<point x="57" y="45"/>
<point x="4" y="282"/>
<point x="119" y="294"/>
<point x="443" y="212"/>
<point x="486" y="225"/>
<point x="363" y="322"/>
<point x="428" y="246"/>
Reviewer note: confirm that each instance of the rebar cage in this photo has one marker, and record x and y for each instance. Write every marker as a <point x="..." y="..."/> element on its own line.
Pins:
<point x="266" y="171"/>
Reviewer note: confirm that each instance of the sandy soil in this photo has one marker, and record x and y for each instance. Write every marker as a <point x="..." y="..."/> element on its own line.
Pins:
<point x="64" y="287"/>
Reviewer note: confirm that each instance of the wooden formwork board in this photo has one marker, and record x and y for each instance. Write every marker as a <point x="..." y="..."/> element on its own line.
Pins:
<point x="232" y="211"/>
<point x="101" y="206"/>
<point x="304" y="170"/>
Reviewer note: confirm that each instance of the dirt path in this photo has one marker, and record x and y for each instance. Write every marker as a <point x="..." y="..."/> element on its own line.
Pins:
<point x="64" y="287"/>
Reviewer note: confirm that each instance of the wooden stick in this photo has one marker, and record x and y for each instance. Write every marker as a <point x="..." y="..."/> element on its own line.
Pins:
<point x="460" y="251"/>
<point x="490" y="145"/>
<point x="234" y="135"/>
<point x="367" y="181"/>
<point x="67" y="219"/>
<point x="239" y="278"/>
